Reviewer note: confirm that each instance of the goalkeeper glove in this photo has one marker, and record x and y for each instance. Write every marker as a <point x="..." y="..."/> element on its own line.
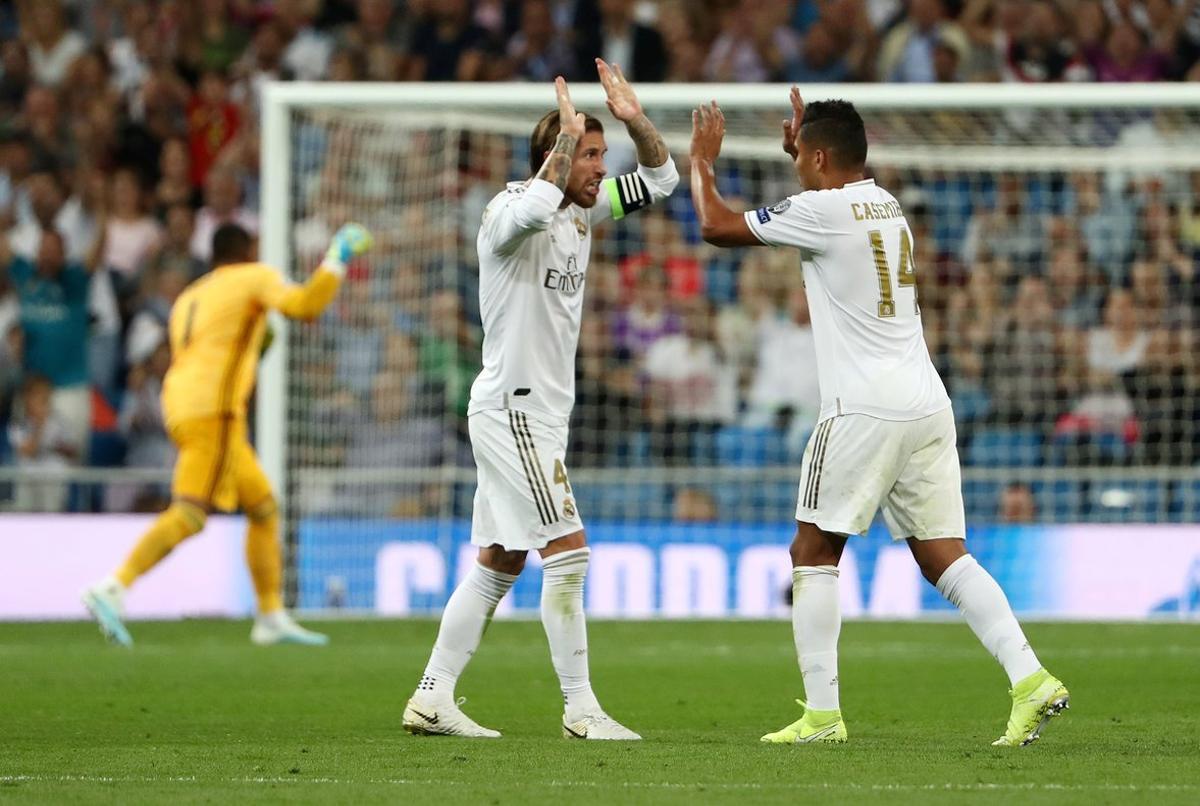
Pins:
<point x="350" y="241"/>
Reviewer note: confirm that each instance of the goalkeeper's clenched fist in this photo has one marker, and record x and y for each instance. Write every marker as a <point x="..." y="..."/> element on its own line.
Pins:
<point x="350" y="241"/>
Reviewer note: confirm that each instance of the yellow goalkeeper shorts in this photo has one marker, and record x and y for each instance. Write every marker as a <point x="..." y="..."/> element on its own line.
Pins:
<point x="217" y="465"/>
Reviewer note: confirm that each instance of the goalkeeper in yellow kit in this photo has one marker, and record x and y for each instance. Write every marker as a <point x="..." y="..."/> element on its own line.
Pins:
<point x="216" y="330"/>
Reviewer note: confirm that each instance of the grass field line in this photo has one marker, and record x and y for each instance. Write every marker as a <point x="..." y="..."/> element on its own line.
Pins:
<point x="980" y="786"/>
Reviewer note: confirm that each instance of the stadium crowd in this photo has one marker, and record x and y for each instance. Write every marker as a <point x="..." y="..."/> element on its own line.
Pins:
<point x="1060" y="308"/>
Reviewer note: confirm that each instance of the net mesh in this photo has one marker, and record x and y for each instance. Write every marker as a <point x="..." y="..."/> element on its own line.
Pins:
<point x="1056" y="254"/>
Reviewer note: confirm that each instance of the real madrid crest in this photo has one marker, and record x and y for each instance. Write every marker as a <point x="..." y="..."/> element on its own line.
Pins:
<point x="580" y="227"/>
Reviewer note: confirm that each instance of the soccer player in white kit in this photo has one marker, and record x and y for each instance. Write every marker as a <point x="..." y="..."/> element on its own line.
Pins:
<point x="885" y="436"/>
<point x="534" y="246"/>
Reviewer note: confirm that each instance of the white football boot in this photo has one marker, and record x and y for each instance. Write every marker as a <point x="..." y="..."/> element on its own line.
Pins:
<point x="279" y="628"/>
<point x="597" y="725"/>
<point x="106" y="602"/>
<point x="425" y="718"/>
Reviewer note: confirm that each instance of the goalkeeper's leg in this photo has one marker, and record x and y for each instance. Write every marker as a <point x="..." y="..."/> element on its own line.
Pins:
<point x="264" y="556"/>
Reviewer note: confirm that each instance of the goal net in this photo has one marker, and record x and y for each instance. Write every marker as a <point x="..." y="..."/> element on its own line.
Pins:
<point x="1056" y="239"/>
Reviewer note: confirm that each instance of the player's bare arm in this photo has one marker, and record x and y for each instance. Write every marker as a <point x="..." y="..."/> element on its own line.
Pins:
<point x="623" y="103"/>
<point x="719" y="225"/>
<point x="557" y="168"/>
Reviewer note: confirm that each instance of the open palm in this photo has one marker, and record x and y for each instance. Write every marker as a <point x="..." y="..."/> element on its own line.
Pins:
<point x="622" y="100"/>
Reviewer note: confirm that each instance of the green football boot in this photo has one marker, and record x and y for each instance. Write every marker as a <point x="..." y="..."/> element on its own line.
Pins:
<point x="1036" y="700"/>
<point x="813" y="727"/>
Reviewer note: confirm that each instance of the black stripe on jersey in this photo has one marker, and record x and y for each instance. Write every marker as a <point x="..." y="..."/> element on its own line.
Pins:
<point x="525" y="461"/>
<point x="537" y="465"/>
<point x="821" y="465"/>
<point x="818" y="443"/>
<point x="633" y="193"/>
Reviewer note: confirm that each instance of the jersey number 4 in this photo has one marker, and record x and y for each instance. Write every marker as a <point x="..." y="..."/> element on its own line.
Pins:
<point x="907" y="275"/>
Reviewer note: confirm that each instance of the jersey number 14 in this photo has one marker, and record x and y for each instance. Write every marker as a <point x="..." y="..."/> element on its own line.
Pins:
<point x="907" y="275"/>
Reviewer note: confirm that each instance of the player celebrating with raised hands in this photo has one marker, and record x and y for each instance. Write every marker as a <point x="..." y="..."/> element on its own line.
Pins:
<point x="885" y="435"/>
<point x="534" y="246"/>
<point x="216" y="330"/>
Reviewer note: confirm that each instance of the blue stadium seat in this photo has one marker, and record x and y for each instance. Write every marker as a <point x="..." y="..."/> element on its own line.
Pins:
<point x="632" y="501"/>
<point x="981" y="499"/>
<point x="971" y="405"/>
<point x="1005" y="447"/>
<point x="1060" y="501"/>
<point x="1185" y="502"/>
<point x="1094" y="448"/>
<point x="751" y="447"/>
<point x="1126" y="501"/>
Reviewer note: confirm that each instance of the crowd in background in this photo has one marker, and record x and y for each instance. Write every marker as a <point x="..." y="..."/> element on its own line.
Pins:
<point x="1059" y="308"/>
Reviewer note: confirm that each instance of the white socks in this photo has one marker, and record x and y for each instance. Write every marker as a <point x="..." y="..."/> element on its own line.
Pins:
<point x="566" y="628"/>
<point x="816" y="624"/>
<point x="968" y="586"/>
<point x="463" y="621"/>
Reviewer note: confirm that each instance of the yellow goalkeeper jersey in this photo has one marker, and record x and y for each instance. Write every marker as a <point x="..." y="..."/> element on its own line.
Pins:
<point x="216" y="330"/>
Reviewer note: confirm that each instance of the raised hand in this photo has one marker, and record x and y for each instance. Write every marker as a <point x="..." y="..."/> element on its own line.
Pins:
<point x="791" y="128"/>
<point x="571" y="123"/>
<point x="622" y="100"/>
<point x="708" y="131"/>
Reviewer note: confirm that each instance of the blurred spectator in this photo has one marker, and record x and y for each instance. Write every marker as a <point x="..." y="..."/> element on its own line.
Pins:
<point x="149" y="325"/>
<point x="818" y="58"/>
<point x="1023" y="362"/>
<point x="754" y="43"/>
<point x="1027" y="39"/>
<point x="663" y="245"/>
<point x="648" y="316"/>
<point x="1017" y="504"/>
<point x="216" y="39"/>
<point x="141" y="420"/>
<point x="1009" y="229"/>
<point x="1074" y="293"/>
<point x="785" y="392"/>
<point x="618" y="38"/>
<point x="308" y="51"/>
<point x="1120" y="345"/>
<point x="691" y="387"/>
<point x="52" y="46"/>
<point x="54" y="316"/>
<point x="692" y="505"/>
<point x="12" y="358"/>
<point x="536" y="52"/>
<point x="1127" y="56"/>
<point x="221" y="206"/>
<point x="41" y="440"/>
<point x="213" y="121"/>
<point x="380" y="34"/>
<point x="175" y="176"/>
<point x="607" y="399"/>
<point x="176" y="252"/>
<point x="907" y="52"/>
<point x="739" y="326"/>
<point x="130" y="238"/>
<point x="448" y="46"/>
<point x="450" y="351"/>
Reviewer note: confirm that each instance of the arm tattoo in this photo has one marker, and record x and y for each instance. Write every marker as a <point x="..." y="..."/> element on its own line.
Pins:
<point x="557" y="167"/>
<point x="651" y="150"/>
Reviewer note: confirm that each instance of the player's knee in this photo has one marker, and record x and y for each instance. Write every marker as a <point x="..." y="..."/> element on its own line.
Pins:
<point x="502" y="560"/>
<point x="812" y="546"/>
<point x="190" y="516"/>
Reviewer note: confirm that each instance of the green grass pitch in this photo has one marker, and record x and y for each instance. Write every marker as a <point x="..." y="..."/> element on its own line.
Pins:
<point x="195" y="714"/>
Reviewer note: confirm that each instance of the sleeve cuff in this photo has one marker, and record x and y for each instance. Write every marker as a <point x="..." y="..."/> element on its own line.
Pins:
<point x="663" y="174"/>
<point x="335" y="267"/>
<point x="543" y="191"/>
<point x="751" y="217"/>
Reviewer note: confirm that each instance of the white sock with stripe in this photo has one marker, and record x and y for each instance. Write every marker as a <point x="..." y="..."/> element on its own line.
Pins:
<point x="973" y="590"/>
<point x="566" y="628"/>
<point x="466" y="616"/>
<point x="816" y="625"/>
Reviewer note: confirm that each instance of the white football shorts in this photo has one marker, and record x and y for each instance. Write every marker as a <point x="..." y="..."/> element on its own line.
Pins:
<point x="523" y="499"/>
<point x="854" y="464"/>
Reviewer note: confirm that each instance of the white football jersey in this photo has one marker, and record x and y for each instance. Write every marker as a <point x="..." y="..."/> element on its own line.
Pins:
<point x="856" y="250"/>
<point x="533" y="259"/>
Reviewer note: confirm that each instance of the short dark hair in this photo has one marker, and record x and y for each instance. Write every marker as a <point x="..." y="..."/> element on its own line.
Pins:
<point x="546" y="132"/>
<point x="836" y="127"/>
<point x="230" y="244"/>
